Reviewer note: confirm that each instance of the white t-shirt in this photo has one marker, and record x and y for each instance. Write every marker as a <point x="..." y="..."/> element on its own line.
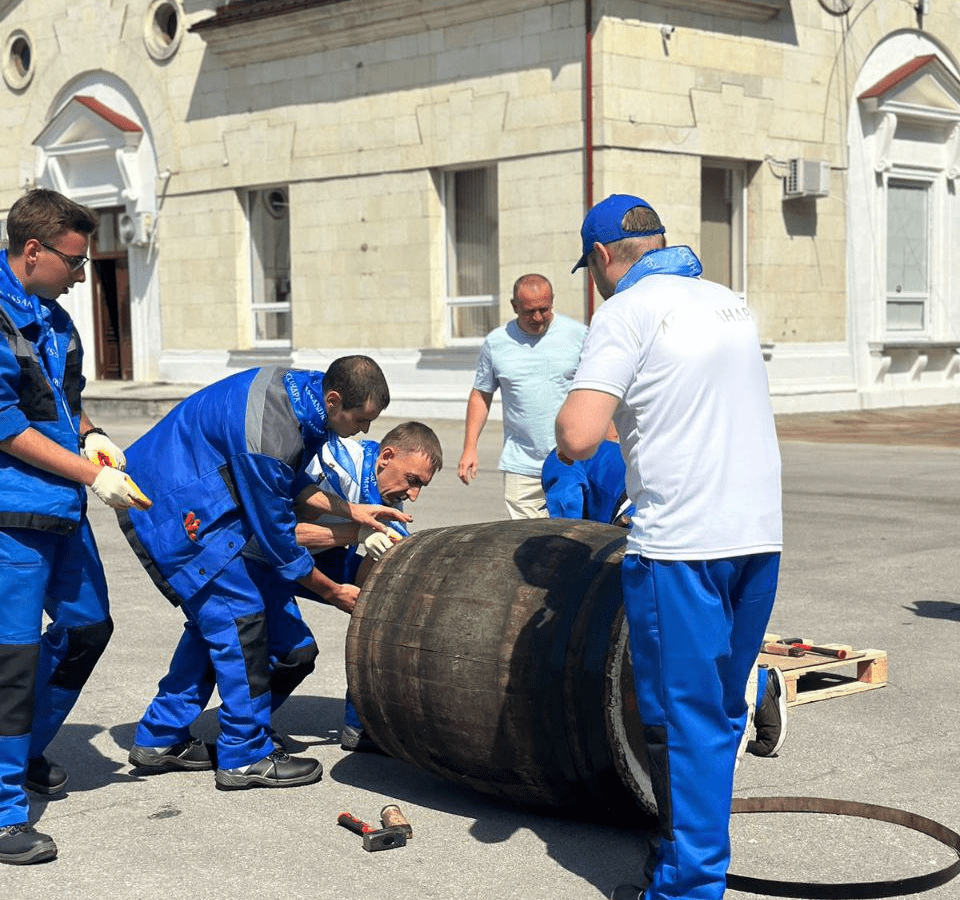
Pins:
<point x="533" y="373"/>
<point x="695" y="421"/>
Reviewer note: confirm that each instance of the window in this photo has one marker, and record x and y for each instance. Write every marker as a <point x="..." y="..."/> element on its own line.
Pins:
<point x="908" y="280"/>
<point x="268" y="214"/>
<point x="722" y="225"/>
<point x="18" y="60"/>
<point x="472" y="260"/>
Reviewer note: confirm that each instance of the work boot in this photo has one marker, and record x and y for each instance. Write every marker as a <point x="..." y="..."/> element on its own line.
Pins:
<point x="770" y="719"/>
<point x="191" y="756"/>
<point x="357" y="740"/>
<point x="45" y="777"/>
<point x="20" y="845"/>
<point x="276" y="770"/>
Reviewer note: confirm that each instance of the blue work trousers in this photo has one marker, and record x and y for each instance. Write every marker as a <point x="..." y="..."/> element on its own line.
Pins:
<point x="240" y="634"/>
<point x="42" y="672"/>
<point x="695" y="631"/>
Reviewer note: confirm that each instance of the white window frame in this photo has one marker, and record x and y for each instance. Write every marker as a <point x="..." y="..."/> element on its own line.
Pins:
<point x="256" y="275"/>
<point x="451" y="303"/>
<point x="904" y="176"/>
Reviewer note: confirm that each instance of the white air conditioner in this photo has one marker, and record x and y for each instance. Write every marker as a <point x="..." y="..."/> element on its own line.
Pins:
<point x="807" y="178"/>
<point x="135" y="228"/>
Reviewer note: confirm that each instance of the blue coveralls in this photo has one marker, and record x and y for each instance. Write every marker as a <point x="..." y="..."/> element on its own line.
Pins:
<point x="48" y="556"/>
<point x="229" y="456"/>
<point x="593" y="489"/>
<point x="342" y="563"/>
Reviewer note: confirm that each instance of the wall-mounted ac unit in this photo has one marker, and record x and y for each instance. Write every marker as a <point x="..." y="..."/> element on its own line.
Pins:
<point x="807" y="178"/>
<point x="135" y="229"/>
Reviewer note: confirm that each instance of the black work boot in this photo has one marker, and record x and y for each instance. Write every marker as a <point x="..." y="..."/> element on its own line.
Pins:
<point x="357" y="740"/>
<point x="770" y="718"/>
<point x="192" y="756"/>
<point x="276" y="770"/>
<point x="20" y="845"/>
<point x="45" y="777"/>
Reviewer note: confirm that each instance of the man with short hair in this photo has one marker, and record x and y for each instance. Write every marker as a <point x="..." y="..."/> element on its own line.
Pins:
<point x="391" y="472"/>
<point x="220" y="542"/>
<point x="675" y="363"/>
<point x="531" y="360"/>
<point x="49" y="453"/>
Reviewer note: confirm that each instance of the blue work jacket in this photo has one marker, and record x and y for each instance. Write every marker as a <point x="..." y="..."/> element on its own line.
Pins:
<point x="41" y="381"/>
<point x="229" y="458"/>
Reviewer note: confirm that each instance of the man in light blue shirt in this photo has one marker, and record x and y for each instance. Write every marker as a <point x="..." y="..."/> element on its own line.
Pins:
<point x="532" y="360"/>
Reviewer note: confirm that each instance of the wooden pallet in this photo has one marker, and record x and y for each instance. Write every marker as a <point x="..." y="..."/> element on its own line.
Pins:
<point x="812" y="677"/>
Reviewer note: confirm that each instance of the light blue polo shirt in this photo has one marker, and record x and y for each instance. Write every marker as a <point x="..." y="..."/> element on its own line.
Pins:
<point x="533" y="374"/>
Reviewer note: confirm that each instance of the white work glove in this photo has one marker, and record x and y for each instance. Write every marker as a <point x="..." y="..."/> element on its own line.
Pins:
<point x="118" y="490"/>
<point x="98" y="448"/>
<point x="376" y="543"/>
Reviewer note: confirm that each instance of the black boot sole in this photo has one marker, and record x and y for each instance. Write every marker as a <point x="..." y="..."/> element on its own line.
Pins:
<point x="38" y="854"/>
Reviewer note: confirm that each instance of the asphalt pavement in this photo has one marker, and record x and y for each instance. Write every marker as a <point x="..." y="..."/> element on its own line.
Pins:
<point x="870" y="560"/>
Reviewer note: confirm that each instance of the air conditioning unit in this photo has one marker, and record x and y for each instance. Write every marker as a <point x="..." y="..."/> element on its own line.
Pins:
<point x="135" y="229"/>
<point x="807" y="178"/>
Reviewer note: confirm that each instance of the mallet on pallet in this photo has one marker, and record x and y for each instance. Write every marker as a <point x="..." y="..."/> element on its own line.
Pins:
<point x="812" y="648"/>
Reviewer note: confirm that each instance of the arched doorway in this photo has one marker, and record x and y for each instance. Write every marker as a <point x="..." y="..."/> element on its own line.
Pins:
<point x="96" y="150"/>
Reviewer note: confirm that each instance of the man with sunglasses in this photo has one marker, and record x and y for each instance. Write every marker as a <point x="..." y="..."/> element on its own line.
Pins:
<point x="49" y="453"/>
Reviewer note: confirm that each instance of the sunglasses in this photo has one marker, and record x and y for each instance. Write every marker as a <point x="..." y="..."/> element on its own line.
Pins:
<point x="73" y="262"/>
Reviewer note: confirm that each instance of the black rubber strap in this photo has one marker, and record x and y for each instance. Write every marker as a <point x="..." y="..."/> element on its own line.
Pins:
<point x="854" y="890"/>
<point x="89" y="431"/>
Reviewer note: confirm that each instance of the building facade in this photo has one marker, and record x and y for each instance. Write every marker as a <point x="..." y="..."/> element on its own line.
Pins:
<point x="291" y="180"/>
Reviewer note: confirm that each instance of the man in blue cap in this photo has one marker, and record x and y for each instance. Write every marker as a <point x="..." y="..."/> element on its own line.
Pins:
<point x="220" y="542"/>
<point x="675" y="362"/>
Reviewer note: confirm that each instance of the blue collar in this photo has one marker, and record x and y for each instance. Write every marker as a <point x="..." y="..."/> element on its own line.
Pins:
<point x="25" y="307"/>
<point x="678" y="260"/>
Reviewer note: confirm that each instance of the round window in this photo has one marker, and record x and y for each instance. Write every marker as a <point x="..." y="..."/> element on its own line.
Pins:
<point x="163" y="28"/>
<point x="18" y="60"/>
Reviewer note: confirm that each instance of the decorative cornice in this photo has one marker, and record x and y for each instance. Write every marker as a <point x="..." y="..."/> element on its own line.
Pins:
<point x="263" y="30"/>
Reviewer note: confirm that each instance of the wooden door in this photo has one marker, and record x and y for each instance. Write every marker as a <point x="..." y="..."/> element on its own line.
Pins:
<point x="111" y="300"/>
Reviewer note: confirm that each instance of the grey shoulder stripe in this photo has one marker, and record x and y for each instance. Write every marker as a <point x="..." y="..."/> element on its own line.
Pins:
<point x="271" y="427"/>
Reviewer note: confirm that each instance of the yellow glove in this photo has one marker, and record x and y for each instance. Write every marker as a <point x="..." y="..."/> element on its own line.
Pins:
<point x="376" y="543"/>
<point x="118" y="490"/>
<point x="98" y="448"/>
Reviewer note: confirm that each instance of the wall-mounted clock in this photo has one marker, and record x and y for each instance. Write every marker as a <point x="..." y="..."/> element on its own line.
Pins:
<point x="837" y="7"/>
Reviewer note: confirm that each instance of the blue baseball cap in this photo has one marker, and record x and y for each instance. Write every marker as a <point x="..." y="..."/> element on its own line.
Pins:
<point x="602" y="224"/>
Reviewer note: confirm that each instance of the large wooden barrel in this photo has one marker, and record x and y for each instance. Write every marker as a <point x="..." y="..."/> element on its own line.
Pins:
<point x="496" y="656"/>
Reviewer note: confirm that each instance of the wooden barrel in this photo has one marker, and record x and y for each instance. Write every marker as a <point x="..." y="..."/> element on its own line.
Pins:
<point x="496" y="656"/>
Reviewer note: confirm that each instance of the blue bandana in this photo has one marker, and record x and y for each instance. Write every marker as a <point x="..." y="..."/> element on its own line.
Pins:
<point x="678" y="260"/>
